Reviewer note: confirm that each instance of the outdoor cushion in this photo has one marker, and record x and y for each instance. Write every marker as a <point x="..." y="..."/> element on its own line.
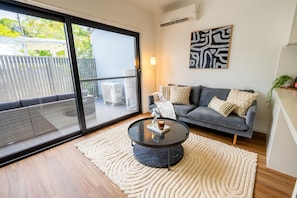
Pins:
<point x="65" y="96"/>
<point x="9" y="105"/>
<point x="30" y="101"/>
<point x="47" y="99"/>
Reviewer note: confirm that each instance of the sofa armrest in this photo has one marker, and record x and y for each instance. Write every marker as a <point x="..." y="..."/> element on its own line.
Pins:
<point x="250" y="115"/>
<point x="151" y="103"/>
<point x="151" y="100"/>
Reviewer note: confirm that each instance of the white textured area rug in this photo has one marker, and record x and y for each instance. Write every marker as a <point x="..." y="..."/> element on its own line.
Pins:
<point x="208" y="169"/>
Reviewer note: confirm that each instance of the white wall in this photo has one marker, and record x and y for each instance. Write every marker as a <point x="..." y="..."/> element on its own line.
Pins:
<point x="293" y="37"/>
<point x="260" y="28"/>
<point x="106" y="45"/>
<point x="117" y="13"/>
<point x="288" y="61"/>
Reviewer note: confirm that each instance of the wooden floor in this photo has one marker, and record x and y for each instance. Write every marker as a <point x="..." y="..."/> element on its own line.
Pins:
<point x="64" y="172"/>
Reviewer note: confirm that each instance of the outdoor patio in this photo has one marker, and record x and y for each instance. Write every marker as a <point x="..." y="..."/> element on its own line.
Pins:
<point x="104" y="113"/>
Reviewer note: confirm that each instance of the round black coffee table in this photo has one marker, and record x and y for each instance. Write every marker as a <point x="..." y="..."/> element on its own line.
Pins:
<point x="158" y="150"/>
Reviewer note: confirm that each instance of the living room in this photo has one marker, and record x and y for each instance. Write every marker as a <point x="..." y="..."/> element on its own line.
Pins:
<point x="258" y="35"/>
<point x="260" y="30"/>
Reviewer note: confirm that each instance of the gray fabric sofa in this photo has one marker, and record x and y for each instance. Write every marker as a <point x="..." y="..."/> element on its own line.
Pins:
<point x="198" y="113"/>
<point x="27" y="118"/>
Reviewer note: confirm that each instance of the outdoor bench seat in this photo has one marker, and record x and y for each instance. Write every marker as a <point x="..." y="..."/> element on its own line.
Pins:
<point x="27" y="118"/>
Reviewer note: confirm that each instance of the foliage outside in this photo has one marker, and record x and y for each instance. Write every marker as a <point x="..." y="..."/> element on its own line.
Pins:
<point x="35" y="27"/>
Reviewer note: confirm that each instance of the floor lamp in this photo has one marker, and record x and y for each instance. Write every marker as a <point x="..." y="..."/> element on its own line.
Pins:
<point x="153" y="62"/>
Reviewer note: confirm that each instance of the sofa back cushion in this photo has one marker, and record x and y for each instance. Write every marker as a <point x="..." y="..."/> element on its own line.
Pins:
<point x="207" y="94"/>
<point x="195" y="94"/>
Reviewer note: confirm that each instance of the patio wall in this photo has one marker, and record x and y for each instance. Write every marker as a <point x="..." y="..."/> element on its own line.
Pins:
<point x="29" y="77"/>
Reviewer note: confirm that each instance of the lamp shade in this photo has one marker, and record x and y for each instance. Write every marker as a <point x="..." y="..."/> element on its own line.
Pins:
<point x="153" y="60"/>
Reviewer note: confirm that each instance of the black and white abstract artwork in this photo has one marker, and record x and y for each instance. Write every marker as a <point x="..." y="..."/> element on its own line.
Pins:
<point x="210" y="48"/>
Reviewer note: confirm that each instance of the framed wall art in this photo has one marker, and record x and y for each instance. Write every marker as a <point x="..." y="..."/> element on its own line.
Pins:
<point x="210" y="48"/>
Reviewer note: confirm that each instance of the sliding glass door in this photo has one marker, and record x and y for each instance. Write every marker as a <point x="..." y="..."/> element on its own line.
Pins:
<point x="37" y="93"/>
<point x="61" y="77"/>
<point x="107" y="71"/>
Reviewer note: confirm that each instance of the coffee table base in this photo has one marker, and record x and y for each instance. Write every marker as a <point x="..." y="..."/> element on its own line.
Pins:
<point x="158" y="157"/>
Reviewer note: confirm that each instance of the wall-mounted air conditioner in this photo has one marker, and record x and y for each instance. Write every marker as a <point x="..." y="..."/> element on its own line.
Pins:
<point x="179" y="15"/>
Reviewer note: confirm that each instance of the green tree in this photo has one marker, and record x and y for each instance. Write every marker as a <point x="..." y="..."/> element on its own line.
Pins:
<point x="8" y="28"/>
<point x="43" y="28"/>
<point x="4" y="31"/>
<point x="35" y="27"/>
<point x="82" y="41"/>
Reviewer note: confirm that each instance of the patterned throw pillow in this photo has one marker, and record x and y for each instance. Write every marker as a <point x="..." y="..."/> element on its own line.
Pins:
<point x="242" y="99"/>
<point x="180" y="95"/>
<point x="221" y="106"/>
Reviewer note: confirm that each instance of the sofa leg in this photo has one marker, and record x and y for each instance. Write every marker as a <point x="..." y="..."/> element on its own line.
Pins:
<point x="235" y="139"/>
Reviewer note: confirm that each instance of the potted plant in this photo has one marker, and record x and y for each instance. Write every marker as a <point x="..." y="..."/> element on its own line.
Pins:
<point x="281" y="81"/>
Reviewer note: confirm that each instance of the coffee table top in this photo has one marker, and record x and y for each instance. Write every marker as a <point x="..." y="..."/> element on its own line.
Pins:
<point x="140" y="134"/>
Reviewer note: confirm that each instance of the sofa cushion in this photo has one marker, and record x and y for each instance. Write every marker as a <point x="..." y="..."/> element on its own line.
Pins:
<point x="242" y="99"/>
<point x="208" y="93"/>
<point x="180" y="95"/>
<point x="9" y="105"/>
<point x="221" y="106"/>
<point x="207" y="115"/>
<point x="30" y="101"/>
<point x="183" y="110"/>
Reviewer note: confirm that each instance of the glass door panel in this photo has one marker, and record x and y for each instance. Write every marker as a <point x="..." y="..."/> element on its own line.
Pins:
<point x="37" y="101"/>
<point x="106" y="65"/>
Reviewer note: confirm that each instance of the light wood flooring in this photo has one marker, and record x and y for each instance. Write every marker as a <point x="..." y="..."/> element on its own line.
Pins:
<point x="63" y="171"/>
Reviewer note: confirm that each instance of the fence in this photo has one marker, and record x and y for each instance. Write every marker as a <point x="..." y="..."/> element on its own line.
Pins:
<point x="29" y="77"/>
